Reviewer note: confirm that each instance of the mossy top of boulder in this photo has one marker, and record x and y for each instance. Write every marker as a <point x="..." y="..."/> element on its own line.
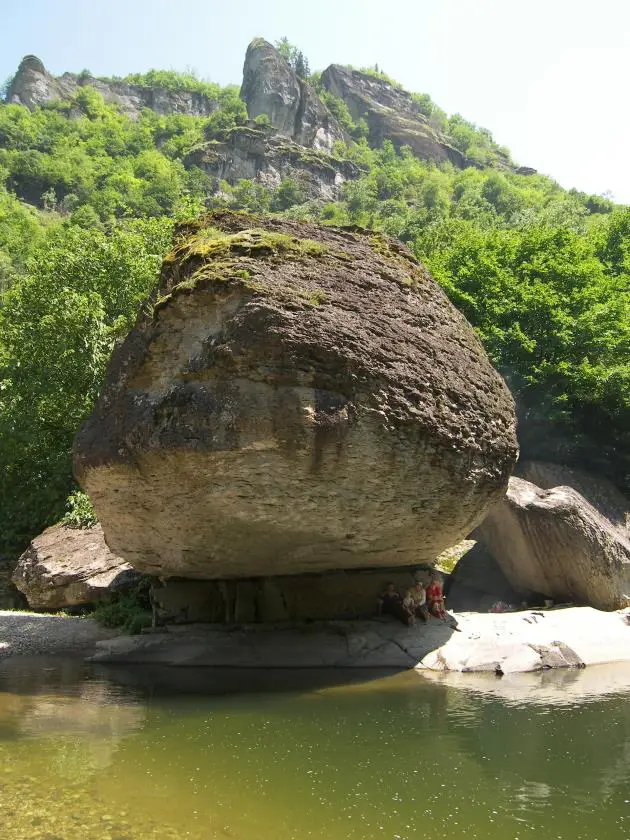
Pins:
<point x="392" y="320"/>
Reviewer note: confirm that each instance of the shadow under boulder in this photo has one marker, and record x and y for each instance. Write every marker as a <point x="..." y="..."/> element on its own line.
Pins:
<point x="477" y="583"/>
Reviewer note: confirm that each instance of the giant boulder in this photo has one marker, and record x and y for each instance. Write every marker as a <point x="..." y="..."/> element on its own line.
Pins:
<point x="556" y="543"/>
<point x="598" y="491"/>
<point x="294" y="399"/>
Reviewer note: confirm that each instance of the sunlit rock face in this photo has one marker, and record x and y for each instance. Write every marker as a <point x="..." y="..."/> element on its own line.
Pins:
<point x="556" y="543"/>
<point x="33" y="85"/>
<point x="260" y="154"/>
<point x="390" y="114"/>
<point x="272" y="88"/>
<point x="294" y="399"/>
<point x="70" y="567"/>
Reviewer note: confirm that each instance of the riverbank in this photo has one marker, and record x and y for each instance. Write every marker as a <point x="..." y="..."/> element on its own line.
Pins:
<point x="505" y="643"/>
<point x="25" y="633"/>
<point x="525" y="641"/>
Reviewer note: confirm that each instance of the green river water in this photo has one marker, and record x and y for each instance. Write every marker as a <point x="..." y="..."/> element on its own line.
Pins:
<point x="130" y="754"/>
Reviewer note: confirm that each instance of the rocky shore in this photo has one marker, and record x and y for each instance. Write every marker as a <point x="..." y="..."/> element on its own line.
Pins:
<point x="526" y="641"/>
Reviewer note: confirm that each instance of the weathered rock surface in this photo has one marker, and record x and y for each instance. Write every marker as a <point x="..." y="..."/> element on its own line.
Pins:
<point x="596" y="489"/>
<point x="390" y="114"/>
<point x="533" y="640"/>
<point x="33" y="85"/>
<point x="556" y="543"/>
<point x="271" y="87"/>
<point x="258" y="153"/>
<point x="299" y="399"/>
<point x="505" y="643"/>
<point x="67" y="567"/>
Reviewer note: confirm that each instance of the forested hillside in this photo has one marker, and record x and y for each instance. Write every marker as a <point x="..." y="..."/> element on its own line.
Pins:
<point x="89" y="196"/>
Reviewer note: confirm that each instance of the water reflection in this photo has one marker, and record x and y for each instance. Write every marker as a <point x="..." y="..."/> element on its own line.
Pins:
<point x="177" y="753"/>
<point x="553" y="688"/>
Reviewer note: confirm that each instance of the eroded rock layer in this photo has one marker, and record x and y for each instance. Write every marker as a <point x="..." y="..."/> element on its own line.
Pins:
<point x="33" y="85"/>
<point x="556" y="543"/>
<point x="256" y="152"/>
<point x="296" y="399"/>
<point x="271" y="87"/>
<point x="69" y="567"/>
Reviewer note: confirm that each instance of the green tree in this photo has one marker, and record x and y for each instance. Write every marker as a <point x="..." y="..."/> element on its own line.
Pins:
<point x="58" y="324"/>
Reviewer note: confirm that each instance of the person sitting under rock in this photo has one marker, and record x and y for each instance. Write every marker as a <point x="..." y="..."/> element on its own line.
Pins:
<point x="414" y="603"/>
<point x="435" y="598"/>
<point x="390" y="602"/>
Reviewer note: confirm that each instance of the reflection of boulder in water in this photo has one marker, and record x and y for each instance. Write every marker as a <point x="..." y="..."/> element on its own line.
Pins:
<point x="81" y="720"/>
<point x="92" y="714"/>
<point x="554" y="688"/>
<point x="495" y="720"/>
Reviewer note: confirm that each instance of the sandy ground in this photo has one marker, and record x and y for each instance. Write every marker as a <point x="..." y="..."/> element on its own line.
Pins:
<point x="29" y="633"/>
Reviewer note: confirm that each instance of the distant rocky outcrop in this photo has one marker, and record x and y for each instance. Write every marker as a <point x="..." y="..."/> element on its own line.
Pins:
<point x="298" y="399"/>
<point x="33" y="85"/>
<point x="69" y="567"/>
<point x="258" y="153"/>
<point x="271" y="87"/>
<point x="390" y="114"/>
<point x="554" y="542"/>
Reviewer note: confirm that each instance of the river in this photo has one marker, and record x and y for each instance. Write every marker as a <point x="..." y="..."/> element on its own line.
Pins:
<point x="91" y="753"/>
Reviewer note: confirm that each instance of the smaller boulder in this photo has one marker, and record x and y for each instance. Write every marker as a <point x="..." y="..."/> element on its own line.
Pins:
<point x="70" y="567"/>
<point x="556" y="543"/>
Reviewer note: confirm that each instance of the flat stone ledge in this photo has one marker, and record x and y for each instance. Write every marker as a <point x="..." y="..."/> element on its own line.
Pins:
<point x="531" y="640"/>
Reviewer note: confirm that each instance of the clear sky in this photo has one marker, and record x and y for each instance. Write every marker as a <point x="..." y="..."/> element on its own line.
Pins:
<point x="547" y="77"/>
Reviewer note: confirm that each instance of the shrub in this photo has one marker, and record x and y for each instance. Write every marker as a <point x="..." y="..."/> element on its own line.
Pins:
<point x="129" y="612"/>
<point x="80" y="513"/>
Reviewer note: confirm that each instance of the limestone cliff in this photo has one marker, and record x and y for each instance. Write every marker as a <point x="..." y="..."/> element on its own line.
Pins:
<point x="257" y="152"/>
<point x="296" y="399"/>
<point x="271" y="87"/>
<point x="389" y="113"/>
<point x="33" y="85"/>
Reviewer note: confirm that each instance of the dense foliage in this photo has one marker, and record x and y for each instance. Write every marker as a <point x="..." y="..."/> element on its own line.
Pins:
<point x="88" y="199"/>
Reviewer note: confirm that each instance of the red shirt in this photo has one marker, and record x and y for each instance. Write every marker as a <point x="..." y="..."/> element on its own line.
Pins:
<point x="434" y="592"/>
